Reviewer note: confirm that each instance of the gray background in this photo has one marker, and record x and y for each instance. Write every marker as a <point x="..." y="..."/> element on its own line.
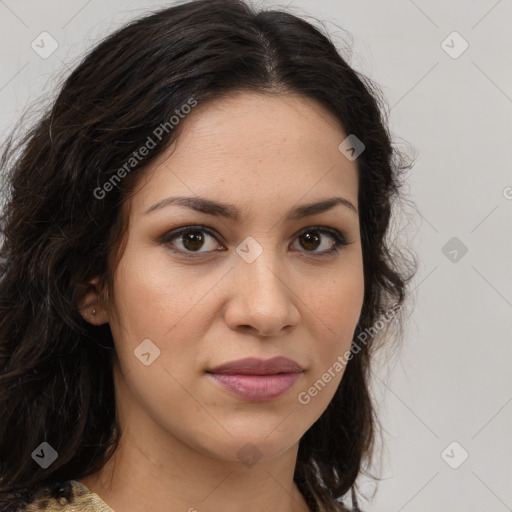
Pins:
<point x="451" y="381"/>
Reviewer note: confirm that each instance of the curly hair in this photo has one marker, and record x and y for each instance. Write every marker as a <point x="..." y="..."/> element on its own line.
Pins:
<point x="56" y="381"/>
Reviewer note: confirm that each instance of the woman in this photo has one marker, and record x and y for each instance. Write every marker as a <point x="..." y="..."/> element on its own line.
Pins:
<point x="196" y="268"/>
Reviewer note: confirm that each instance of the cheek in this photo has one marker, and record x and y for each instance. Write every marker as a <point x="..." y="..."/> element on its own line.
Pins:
<point x="336" y="302"/>
<point x="333" y="308"/>
<point x="339" y="306"/>
<point x="335" y="311"/>
<point x="162" y="303"/>
<point x="150" y="295"/>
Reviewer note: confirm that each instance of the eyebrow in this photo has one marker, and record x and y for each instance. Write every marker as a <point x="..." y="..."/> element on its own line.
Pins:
<point x="230" y="211"/>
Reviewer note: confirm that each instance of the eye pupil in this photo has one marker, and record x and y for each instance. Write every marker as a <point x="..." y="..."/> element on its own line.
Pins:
<point x="309" y="239"/>
<point x="195" y="238"/>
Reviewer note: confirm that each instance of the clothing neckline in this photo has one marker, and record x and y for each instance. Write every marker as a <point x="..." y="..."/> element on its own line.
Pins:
<point x="82" y="493"/>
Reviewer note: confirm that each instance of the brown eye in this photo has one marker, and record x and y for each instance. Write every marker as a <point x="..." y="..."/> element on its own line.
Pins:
<point x="313" y="238"/>
<point x="309" y="241"/>
<point x="191" y="240"/>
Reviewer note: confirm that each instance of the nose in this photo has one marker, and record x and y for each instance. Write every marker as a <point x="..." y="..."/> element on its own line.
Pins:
<point x="263" y="300"/>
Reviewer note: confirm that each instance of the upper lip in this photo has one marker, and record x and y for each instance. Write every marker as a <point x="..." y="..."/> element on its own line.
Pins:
<point x="255" y="366"/>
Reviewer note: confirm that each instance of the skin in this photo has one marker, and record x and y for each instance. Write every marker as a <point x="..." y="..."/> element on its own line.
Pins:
<point x="182" y="431"/>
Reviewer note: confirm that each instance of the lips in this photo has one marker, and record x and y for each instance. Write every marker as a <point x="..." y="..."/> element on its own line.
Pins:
<point x="254" y="366"/>
<point x="257" y="380"/>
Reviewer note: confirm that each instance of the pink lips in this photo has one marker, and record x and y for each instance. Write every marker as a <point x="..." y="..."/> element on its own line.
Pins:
<point x="258" y="380"/>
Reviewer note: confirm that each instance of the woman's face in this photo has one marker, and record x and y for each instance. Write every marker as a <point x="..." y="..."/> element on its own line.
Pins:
<point x="251" y="278"/>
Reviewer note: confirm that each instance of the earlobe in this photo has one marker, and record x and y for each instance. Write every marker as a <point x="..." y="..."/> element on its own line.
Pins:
<point x="92" y="307"/>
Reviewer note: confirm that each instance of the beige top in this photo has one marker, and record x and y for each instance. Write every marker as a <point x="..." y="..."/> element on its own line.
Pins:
<point x="84" y="500"/>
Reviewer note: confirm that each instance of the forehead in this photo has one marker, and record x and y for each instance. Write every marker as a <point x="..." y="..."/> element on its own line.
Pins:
<point x="251" y="145"/>
<point x="287" y="125"/>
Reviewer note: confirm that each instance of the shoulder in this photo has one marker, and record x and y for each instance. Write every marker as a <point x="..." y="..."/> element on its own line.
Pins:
<point x="82" y="499"/>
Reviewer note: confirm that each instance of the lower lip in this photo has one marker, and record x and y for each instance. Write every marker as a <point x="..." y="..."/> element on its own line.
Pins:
<point x="257" y="388"/>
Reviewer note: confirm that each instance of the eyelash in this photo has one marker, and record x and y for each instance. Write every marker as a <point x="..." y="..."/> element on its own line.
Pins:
<point x="339" y="239"/>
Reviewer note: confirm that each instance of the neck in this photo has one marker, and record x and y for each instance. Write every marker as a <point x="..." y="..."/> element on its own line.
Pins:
<point x="137" y="478"/>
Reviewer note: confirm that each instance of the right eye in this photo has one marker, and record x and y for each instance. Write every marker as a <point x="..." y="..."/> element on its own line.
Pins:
<point x="190" y="240"/>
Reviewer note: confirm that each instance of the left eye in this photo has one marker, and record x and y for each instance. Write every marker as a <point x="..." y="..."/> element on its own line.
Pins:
<point x="312" y="239"/>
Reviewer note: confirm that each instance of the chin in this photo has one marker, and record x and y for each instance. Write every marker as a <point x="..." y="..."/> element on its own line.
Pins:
<point x="251" y="448"/>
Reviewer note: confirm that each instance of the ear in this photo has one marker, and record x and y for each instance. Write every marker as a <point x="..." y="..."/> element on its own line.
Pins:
<point x="94" y="304"/>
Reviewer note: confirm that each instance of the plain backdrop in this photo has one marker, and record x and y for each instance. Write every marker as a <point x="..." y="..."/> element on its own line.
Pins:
<point x="444" y="68"/>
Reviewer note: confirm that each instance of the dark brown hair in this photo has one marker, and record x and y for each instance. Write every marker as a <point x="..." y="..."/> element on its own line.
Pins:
<point x="56" y="382"/>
